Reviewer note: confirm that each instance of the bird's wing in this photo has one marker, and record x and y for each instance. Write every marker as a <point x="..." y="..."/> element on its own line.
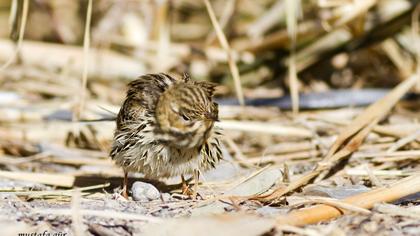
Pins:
<point x="138" y="107"/>
<point x="142" y="96"/>
<point x="209" y="87"/>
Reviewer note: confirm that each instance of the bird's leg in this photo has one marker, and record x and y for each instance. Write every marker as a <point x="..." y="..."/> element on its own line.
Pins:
<point x="125" y="185"/>
<point x="185" y="188"/>
<point x="196" y="177"/>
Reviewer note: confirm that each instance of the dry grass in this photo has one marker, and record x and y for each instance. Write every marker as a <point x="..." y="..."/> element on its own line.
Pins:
<point x="12" y="22"/>
<point x="86" y="46"/>
<point x="225" y="45"/>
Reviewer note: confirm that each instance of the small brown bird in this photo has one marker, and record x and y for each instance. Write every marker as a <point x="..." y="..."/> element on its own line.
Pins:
<point x="165" y="129"/>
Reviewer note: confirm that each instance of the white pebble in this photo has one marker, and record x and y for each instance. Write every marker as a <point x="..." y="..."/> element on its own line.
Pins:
<point x="166" y="197"/>
<point x="142" y="191"/>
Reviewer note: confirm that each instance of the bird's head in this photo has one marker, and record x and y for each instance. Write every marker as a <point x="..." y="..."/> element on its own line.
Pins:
<point x="186" y="113"/>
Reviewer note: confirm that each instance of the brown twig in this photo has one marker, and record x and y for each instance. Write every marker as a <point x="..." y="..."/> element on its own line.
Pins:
<point x="312" y="215"/>
<point x="349" y="140"/>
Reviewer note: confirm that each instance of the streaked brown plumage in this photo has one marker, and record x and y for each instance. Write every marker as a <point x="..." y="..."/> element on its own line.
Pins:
<point x="165" y="128"/>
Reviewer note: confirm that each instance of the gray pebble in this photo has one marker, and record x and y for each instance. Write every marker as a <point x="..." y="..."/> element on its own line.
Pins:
<point x="166" y="197"/>
<point x="142" y="191"/>
<point x="271" y="211"/>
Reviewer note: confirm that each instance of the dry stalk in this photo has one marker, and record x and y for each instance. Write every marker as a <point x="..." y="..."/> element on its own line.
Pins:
<point x="281" y="39"/>
<point x="332" y="202"/>
<point x="358" y="8"/>
<point x="86" y="46"/>
<point x="292" y="11"/>
<point x="404" y="64"/>
<point x="162" y="35"/>
<point x="260" y="127"/>
<point x="398" y="211"/>
<point x="103" y="213"/>
<point x="57" y="193"/>
<point x="238" y="153"/>
<point x="246" y="178"/>
<point x="76" y="215"/>
<point x="416" y="38"/>
<point x="43" y="178"/>
<point x="404" y="141"/>
<point x="408" y="153"/>
<point x="372" y="177"/>
<point x="225" y="45"/>
<point x="21" y="31"/>
<point x="392" y="173"/>
<point x="310" y="154"/>
<point x="350" y="138"/>
<point x="367" y="200"/>
<point x="270" y="18"/>
<point x="395" y="159"/>
<point x="226" y="17"/>
<point x="297" y="230"/>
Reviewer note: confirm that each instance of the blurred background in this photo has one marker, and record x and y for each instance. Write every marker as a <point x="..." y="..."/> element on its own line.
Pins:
<point x="335" y="44"/>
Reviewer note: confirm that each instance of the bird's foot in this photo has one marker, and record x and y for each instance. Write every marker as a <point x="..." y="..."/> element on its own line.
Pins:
<point x="123" y="193"/>
<point x="186" y="190"/>
<point x="191" y="193"/>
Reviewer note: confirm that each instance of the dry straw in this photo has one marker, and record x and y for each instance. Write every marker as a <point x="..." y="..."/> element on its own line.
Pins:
<point x="225" y="45"/>
<point x="86" y="46"/>
<point x="13" y="17"/>
<point x="292" y="11"/>
<point x="322" y="212"/>
<point x="350" y="139"/>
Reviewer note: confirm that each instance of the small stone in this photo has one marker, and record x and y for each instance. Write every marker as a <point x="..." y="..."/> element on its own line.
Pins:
<point x="166" y="197"/>
<point x="142" y="191"/>
<point x="271" y="211"/>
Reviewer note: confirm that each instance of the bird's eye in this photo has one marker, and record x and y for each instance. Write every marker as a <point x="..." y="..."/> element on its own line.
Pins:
<point x="185" y="118"/>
